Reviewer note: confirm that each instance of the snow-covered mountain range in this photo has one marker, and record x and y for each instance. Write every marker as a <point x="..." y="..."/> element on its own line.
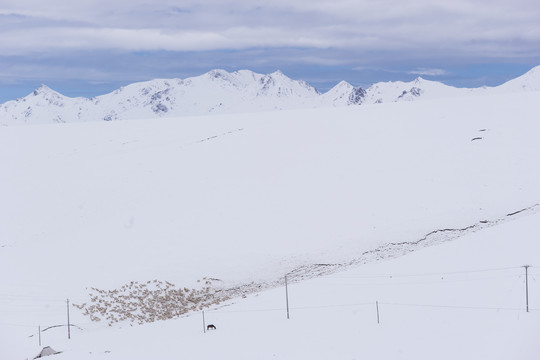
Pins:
<point x="219" y="91"/>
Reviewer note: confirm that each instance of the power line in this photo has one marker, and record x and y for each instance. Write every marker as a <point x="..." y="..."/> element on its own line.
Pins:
<point x="292" y="308"/>
<point x="381" y="303"/>
<point x="457" y="307"/>
<point x="423" y="274"/>
<point x="18" y="325"/>
<point x="435" y="281"/>
<point x="241" y="311"/>
<point x="332" y="306"/>
<point x="527" y="285"/>
<point x="36" y="297"/>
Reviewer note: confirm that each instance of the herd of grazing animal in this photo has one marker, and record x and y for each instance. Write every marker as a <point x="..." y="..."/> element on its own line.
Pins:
<point x="151" y="301"/>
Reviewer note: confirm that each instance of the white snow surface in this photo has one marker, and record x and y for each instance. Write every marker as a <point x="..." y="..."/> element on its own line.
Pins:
<point x="248" y="198"/>
<point x="221" y="92"/>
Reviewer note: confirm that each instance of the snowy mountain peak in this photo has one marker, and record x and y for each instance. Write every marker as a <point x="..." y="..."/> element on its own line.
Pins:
<point x="344" y="94"/>
<point x="44" y="90"/>
<point x="278" y="73"/>
<point x="280" y="85"/>
<point x="218" y="74"/>
<point x="343" y="85"/>
<point x="219" y="91"/>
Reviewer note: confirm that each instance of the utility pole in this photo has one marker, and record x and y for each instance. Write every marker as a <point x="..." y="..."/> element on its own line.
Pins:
<point x="203" y="323"/>
<point x="377" y="306"/>
<point x="39" y="334"/>
<point x="527" y="286"/>
<point x="287" y="296"/>
<point x="68" y="326"/>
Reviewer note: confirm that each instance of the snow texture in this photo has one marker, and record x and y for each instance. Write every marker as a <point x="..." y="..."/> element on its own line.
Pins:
<point x="390" y="203"/>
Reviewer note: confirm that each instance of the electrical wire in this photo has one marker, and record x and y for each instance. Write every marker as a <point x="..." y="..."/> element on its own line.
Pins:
<point x="423" y="274"/>
<point x="17" y="325"/>
<point x="36" y="297"/>
<point x="13" y="297"/>
<point x="331" y="306"/>
<point x="456" y="306"/>
<point x="292" y="308"/>
<point x="435" y="281"/>
<point x="240" y="311"/>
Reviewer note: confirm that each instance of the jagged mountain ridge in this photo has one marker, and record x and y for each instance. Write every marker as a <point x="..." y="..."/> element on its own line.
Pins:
<point x="219" y="91"/>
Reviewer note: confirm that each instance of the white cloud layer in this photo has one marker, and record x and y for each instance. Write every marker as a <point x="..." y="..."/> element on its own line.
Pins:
<point x="428" y="72"/>
<point x="489" y="28"/>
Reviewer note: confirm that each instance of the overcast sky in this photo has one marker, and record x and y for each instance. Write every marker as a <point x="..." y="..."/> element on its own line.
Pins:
<point x="91" y="47"/>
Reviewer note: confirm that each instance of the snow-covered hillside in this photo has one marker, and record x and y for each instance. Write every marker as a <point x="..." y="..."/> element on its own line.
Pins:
<point x="238" y="201"/>
<point x="219" y="91"/>
<point x="460" y="300"/>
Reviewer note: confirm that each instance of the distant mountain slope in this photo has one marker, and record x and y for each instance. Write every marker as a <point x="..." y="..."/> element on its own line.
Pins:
<point x="527" y="82"/>
<point x="219" y="91"/>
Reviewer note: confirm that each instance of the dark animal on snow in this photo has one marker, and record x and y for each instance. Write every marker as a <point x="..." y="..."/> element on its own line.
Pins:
<point x="211" y="327"/>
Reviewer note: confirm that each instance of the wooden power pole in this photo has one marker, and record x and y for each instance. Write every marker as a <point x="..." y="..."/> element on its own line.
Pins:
<point x="203" y="323"/>
<point x="287" y="296"/>
<point x="527" y="286"/>
<point x="68" y="325"/>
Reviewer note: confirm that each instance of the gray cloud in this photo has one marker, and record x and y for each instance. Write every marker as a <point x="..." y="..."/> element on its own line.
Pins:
<point x="230" y="24"/>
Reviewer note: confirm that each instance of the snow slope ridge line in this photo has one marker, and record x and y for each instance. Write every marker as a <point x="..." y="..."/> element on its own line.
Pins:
<point x="392" y="250"/>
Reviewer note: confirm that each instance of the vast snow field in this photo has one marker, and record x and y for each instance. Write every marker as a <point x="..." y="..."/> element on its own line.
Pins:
<point x="248" y="198"/>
